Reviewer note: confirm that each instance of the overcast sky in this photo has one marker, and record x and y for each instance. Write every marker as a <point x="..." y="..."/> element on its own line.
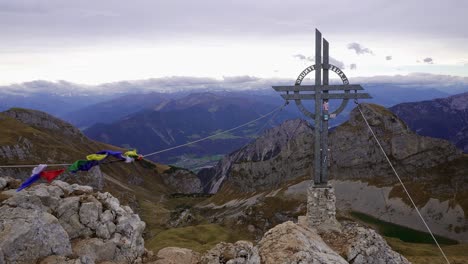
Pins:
<point x="97" y="41"/>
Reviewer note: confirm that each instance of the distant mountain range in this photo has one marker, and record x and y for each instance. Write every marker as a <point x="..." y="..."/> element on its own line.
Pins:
<point x="115" y="109"/>
<point x="155" y="121"/>
<point x="85" y="105"/>
<point x="105" y="111"/>
<point x="445" y="118"/>
<point x="177" y="121"/>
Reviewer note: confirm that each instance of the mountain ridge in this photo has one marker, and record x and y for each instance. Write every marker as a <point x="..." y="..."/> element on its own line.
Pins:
<point x="433" y="170"/>
<point x="445" y="118"/>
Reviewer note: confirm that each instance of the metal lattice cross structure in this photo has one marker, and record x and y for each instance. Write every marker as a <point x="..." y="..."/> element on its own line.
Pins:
<point x="321" y="94"/>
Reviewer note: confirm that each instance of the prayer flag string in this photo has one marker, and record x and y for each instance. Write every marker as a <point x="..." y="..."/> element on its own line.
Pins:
<point x="79" y="165"/>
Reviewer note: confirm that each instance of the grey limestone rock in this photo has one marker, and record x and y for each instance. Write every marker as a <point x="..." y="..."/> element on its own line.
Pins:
<point x="241" y="252"/>
<point x="90" y="213"/>
<point x="291" y="243"/>
<point x="43" y="220"/>
<point x="29" y="234"/>
<point x="368" y="247"/>
<point x="175" y="255"/>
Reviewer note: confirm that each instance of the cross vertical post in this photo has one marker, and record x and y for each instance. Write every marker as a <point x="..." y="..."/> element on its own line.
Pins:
<point x="324" y="134"/>
<point x="318" y="83"/>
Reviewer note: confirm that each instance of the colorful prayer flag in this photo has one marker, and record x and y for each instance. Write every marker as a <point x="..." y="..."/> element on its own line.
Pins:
<point x="116" y="154"/>
<point x="96" y="157"/>
<point x="35" y="175"/>
<point x="51" y="175"/>
<point x="132" y="154"/>
<point x="82" y="165"/>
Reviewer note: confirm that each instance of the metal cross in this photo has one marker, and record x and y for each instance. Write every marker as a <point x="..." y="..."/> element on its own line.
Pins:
<point x="321" y="94"/>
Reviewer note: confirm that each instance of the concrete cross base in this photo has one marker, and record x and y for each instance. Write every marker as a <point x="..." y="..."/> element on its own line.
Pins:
<point x="321" y="208"/>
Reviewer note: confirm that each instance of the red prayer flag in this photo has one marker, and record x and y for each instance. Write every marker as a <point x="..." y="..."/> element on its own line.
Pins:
<point x="51" y="175"/>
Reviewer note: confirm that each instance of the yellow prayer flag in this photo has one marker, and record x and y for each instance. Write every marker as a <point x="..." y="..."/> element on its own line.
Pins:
<point x="131" y="153"/>
<point x="96" y="157"/>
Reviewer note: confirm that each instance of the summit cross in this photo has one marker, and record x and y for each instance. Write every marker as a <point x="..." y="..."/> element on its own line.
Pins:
<point x="321" y="93"/>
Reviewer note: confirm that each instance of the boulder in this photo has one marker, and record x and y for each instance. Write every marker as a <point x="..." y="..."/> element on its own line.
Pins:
<point x="6" y="182"/>
<point x="95" y="249"/>
<point x="291" y="243"/>
<point x="54" y="259"/>
<point x="29" y="234"/>
<point x="175" y="255"/>
<point x="90" y="213"/>
<point x="366" y="246"/>
<point x="241" y="252"/>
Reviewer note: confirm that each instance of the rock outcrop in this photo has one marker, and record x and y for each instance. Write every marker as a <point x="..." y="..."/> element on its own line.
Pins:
<point x="182" y="181"/>
<point x="368" y="247"/>
<point x="241" y="252"/>
<point x="68" y="224"/>
<point x="43" y="120"/>
<point x="289" y="243"/>
<point x="281" y="154"/>
<point x="361" y="245"/>
<point x="355" y="155"/>
<point x="175" y="255"/>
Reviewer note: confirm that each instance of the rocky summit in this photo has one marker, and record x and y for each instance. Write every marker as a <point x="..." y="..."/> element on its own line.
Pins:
<point x="63" y="223"/>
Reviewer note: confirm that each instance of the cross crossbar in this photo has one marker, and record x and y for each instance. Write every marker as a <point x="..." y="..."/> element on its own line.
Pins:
<point x="301" y="88"/>
<point x="326" y="96"/>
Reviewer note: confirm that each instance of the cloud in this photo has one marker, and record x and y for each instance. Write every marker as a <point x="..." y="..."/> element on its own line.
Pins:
<point x="412" y="79"/>
<point x="240" y="79"/>
<point x="428" y="60"/>
<point x="332" y="60"/>
<point x="353" y="66"/>
<point x="359" y="49"/>
<point x="300" y="56"/>
<point x="337" y="63"/>
<point x="388" y="58"/>
<point x="232" y="83"/>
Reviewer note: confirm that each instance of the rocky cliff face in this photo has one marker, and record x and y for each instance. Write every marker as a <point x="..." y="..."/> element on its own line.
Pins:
<point x="286" y="152"/>
<point x="68" y="223"/>
<point x="355" y="155"/>
<point x="182" y="181"/>
<point x="445" y="118"/>
<point x="266" y="162"/>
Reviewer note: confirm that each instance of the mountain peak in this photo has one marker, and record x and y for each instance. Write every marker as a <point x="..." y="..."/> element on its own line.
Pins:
<point x="41" y="119"/>
<point x="378" y="116"/>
